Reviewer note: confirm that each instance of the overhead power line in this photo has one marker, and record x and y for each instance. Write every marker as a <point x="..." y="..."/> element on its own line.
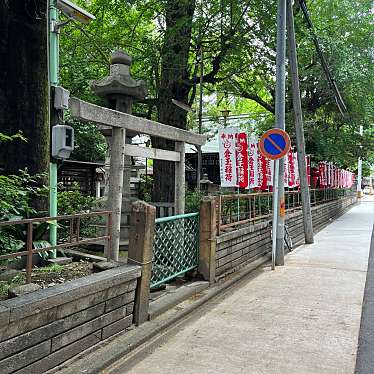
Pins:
<point x="338" y="97"/>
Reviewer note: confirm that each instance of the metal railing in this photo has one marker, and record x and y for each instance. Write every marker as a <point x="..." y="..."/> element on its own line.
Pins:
<point x="74" y="236"/>
<point x="176" y="247"/>
<point x="235" y="210"/>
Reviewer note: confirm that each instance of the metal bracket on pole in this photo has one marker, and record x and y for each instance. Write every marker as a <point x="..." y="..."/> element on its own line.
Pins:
<point x="57" y="26"/>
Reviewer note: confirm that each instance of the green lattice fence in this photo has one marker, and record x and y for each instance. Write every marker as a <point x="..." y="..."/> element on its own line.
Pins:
<point x="176" y="247"/>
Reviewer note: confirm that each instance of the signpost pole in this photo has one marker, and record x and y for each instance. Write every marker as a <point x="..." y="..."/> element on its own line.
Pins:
<point x="280" y="122"/>
<point x="300" y="141"/>
<point x="275" y="212"/>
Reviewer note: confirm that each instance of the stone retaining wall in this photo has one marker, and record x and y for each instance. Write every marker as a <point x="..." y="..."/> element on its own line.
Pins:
<point x="40" y="330"/>
<point x="321" y="216"/>
<point x="245" y="245"/>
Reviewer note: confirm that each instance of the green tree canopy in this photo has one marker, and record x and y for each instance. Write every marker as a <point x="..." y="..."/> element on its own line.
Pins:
<point x="238" y="40"/>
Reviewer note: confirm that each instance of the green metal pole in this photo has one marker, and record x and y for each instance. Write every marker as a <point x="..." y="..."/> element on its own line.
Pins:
<point x="53" y="81"/>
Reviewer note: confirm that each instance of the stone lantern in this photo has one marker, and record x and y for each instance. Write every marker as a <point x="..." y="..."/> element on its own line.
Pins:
<point x="120" y="90"/>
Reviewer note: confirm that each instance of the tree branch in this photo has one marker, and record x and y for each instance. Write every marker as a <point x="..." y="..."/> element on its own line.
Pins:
<point x="226" y="45"/>
<point x="252" y="96"/>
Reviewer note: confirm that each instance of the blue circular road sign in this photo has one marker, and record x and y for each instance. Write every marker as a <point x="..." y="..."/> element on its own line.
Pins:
<point x="275" y="144"/>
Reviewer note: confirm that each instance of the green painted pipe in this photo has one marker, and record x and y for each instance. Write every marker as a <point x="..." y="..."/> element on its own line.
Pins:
<point x="53" y="81"/>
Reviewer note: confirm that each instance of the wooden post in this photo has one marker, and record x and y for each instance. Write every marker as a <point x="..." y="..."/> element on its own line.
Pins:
<point x="180" y="179"/>
<point x="208" y="217"/>
<point x="142" y="231"/>
<point x="117" y="153"/>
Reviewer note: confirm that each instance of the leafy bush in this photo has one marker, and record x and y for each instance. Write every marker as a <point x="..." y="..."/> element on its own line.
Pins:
<point x="90" y="144"/>
<point x="73" y="202"/>
<point x="8" y="243"/>
<point x="145" y="188"/>
<point x="192" y="202"/>
<point x="16" y="194"/>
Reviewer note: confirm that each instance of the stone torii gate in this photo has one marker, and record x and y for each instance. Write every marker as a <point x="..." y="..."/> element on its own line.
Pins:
<point x="121" y="124"/>
<point x="120" y="91"/>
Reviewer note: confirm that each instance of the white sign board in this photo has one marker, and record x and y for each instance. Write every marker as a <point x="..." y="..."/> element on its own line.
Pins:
<point x="227" y="157"/>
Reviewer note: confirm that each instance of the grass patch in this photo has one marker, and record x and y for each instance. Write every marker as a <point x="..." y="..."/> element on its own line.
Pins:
<point x="5" y="285"/>
<point x="53" y="268"/>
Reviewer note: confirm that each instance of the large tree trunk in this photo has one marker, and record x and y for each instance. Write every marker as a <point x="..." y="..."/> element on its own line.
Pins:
<point x="174" y="85"/>
<point x="24" y="85"/>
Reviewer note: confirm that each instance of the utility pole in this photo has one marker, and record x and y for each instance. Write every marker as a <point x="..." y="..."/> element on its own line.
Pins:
<point x="53" y="81"/>
<point x="280" y="122"/>
<point x="359" y="176"/>
<point x="299" y="126"/>
<point x="199" y="153"/>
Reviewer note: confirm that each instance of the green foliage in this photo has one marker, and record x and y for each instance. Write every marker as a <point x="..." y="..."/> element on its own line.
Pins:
<point x="8" y="243"/>
<point x="17" y="192"/>
<point x="5" y="285"/>
<point x="145" y="188"/>
<point x="16" y="195"/>
<point x="344" y="29"/>
<point x="90" y="144"/>
<point x="192" y="201"/>
<point x="239" y="60"/>
<point x="73" y="202"/>
<point x="10" y="138"/>
<point x="14" y="237"/>
<point x="53" y="268"/>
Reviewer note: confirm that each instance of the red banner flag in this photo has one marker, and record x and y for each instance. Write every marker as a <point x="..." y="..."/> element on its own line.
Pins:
<point x="242" y="159"/>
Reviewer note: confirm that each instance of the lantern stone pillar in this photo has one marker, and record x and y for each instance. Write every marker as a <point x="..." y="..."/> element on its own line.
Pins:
<point x="120" y="91"/>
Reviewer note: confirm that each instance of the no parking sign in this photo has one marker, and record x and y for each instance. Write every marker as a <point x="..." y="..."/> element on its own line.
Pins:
<point x="275" y="144"/>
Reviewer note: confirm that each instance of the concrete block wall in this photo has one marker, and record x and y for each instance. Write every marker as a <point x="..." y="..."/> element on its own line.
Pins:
<point x="242" y="246"/>
<point x="245" y="245"/>
<point x="41" y="330"/>
<point x="321" y="216"/>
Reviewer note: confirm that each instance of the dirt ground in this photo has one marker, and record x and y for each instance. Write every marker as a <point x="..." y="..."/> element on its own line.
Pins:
<point x="48" y="276"/>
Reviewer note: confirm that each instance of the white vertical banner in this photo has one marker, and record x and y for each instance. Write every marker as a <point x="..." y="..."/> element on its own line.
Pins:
<point x="227" y="156"/>
<point x="253" y="174"/>
<point x="286" y="170"/>
<point x="271" y="173"/>
<point x="296" y="166"/>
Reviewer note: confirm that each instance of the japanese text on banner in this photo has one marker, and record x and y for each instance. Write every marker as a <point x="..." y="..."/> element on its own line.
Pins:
<point x="242" y="159"/>
<point x="227" y="157"/>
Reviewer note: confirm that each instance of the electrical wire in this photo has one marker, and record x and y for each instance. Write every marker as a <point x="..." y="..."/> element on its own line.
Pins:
<point x="338" y="97"/>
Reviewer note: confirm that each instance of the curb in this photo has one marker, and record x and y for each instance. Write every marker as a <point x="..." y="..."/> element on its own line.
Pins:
<point x="169" y="301"/>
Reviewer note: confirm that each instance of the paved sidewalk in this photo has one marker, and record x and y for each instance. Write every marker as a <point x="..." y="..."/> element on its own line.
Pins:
<point x="302" y="318"/>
